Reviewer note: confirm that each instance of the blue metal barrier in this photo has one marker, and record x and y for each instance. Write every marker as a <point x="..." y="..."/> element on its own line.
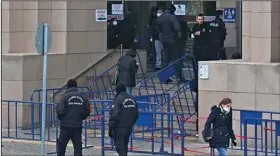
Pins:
<point x="36" y="94"/>
<point x="239" y="120"/>
<point x="19" y="122"/>
<point x="158" y="139"/>
<point x="163" y="75"/>
<point x="273" y="138"/>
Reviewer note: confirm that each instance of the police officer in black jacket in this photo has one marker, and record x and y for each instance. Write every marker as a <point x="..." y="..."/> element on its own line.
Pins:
<point x="200" y="33"/>
<point x="123" y="116"/>
<point x="71" y="111"/>
<point x="169" y="30"/>
<point x="217" y="35"/>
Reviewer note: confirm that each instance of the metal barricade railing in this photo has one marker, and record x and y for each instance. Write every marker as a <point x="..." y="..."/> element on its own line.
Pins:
<point x="106" y="78"/>
<point x="270" y="136"/>
<point x="163" y="75"/>
<point x="19" y="120"/>
<point x="158" y="136"/>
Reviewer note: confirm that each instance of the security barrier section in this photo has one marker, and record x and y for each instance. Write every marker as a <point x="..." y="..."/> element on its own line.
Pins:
<point x="157" y="131"/>
<point x="20" y="123"/>
<point x="150" y="136"/>
<point x="262" y="137"/>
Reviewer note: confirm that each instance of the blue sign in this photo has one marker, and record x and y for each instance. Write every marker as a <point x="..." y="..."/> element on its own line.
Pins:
<point x="43" y="38"/>
<point x="229" y="15"/>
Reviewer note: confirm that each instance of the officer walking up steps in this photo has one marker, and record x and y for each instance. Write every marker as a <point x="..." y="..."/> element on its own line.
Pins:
<point x="217" y="36"/>
<point x="123" y="116"/>
<point x="71" y="111"/>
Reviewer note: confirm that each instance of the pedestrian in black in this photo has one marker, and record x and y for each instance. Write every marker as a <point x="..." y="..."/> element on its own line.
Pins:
<point x="222" y="55"/>
<point x="127" y="31"/>
<point x="200" y="33"/>
<point x="127" y="70"/>
<point x="169" y="30"/>
<point x="71" y="111"/>
<point x="217" y="34"/>
<point x="123" y="116"/>
<point x="218" y="127"/>
<point x="112" y="34"/>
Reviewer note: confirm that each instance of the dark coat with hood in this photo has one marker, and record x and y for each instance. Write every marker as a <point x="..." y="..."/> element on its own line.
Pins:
<point x="127" y="69"/>
<point x="222" y="127"/>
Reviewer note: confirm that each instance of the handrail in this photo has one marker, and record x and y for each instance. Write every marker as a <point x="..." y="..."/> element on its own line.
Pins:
<point x="91" y="66"/>
<point x="105" y="72"/>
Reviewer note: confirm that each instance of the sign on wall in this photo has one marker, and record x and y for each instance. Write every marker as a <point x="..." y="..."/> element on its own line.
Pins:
<point x="180" y="9"/>
<point x="117" y="9"/>
<point x="229" y="15"/>
<point x="204" y="71"/>
<point x="101" y="15"/>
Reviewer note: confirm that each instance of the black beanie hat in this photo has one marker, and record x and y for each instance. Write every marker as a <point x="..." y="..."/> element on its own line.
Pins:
<point x="71" y="83"/>
<point x="120" y="88"/>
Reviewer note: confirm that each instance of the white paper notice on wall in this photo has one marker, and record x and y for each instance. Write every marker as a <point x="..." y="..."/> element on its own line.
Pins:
<point x="117" y="9"/>
<point x="101" y="15"/>
<point x="204" y="71"/>
<point x="180" y="9"/>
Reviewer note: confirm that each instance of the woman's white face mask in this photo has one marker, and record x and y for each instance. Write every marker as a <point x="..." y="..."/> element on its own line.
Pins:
<point x="115" y="23"/>
<point x="227" y="109"/>
<point x="158" y="14"/>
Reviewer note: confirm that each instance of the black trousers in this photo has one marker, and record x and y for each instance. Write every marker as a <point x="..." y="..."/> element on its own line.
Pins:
<point x="121" y="139"/>
<point x="75" y="134"/>
<point x="170" y="54"/>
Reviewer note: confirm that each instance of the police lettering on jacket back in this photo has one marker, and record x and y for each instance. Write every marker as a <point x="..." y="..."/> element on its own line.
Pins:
<point x="214" y="29"/>
<point x="75" y="100"/>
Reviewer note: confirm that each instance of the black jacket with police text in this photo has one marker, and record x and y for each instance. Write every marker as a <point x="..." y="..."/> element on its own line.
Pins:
<point x="73" y="108"/>
<point x="200" y="41"/>
<point x="222" y="127"/>
<point x="168" y="26"/>
<point x="124" y="112"/>
<point x="217" y="30"/>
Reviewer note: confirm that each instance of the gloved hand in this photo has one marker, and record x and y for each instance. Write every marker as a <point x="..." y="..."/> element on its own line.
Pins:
<point x="179" y="34"/>
<point x="234" y="143"/>
<point x="110" y="132"/>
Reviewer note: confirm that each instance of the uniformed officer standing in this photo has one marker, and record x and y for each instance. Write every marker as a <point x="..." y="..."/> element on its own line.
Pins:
<point x="200" y="33"/>
<point x="71" y="111"/>
<point x="217" y="34"/>
<point x="123" y="116"/>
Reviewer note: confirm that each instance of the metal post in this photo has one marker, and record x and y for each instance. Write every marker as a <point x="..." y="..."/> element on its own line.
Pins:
<point x="45" y="46"/>
<point x="121" y="51"/>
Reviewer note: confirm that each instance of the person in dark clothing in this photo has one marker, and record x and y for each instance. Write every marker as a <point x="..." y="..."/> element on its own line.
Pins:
<point x="157" y="43"/>
<point x="222" y="55"/>
<point x="218" y="127"/>
<point x="200" y="33"/>
<point x="71" y="111"/>
<point x="112" y="34"/>
<point x="127" y="70"/>
<point x="217" y="34"/>
<point x="123" y="116"/>
<point x="127" y="32"/>
<point x="169" y="31"/>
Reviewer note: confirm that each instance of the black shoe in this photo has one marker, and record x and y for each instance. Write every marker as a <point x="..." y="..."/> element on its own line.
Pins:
<point x="157" y="68"/>
<point x="168" y="81"/>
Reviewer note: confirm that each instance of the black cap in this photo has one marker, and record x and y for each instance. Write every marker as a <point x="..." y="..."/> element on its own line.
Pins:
<point x="219" y="13"/>
<point x="72" y="83"/>
<point x="171" y="8"/>
<point x="120" y="88"/>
